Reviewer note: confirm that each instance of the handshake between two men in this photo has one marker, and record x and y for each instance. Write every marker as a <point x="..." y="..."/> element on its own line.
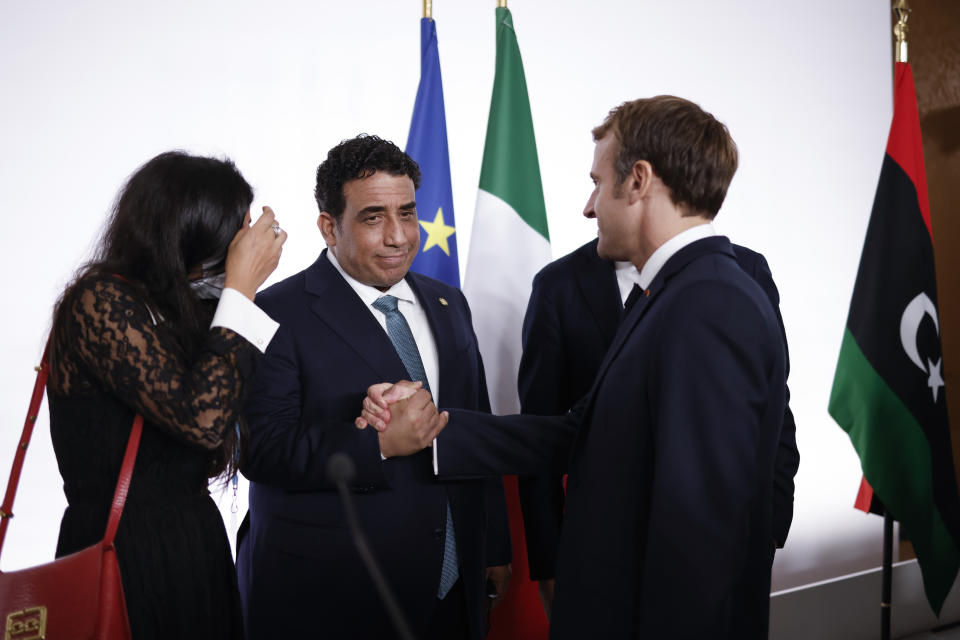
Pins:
<point x="667" y="525"/>
<point x="410" y="413"/>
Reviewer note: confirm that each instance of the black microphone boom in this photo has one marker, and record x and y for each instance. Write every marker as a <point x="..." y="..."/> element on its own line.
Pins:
<point x="340" y="470"/>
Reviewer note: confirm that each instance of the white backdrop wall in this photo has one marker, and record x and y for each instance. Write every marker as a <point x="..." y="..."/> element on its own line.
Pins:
<point x="90" y="90"/>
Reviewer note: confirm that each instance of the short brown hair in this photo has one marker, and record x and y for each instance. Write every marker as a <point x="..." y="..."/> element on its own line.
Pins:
<point x="689" y="149"/>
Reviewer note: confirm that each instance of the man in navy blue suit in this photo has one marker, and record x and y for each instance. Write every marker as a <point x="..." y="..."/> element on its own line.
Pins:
<point x="574" y="310"/>
<point x="668" y="516"/>
<point x="357" y="316"/>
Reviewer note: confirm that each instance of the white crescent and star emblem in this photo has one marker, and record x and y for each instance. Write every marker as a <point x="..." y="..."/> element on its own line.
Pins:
<point x="909" y="326"/>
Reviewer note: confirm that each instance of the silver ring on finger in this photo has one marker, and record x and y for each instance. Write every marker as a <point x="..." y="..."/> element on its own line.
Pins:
<point x="276" y="230"/>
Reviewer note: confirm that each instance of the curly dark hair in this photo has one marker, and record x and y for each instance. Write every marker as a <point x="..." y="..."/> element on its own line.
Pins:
<point x="689" y="149"/>
<point x="357" y="158"/>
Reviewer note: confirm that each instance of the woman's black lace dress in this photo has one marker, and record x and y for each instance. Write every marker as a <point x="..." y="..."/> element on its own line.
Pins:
<point x="178" y="575"/>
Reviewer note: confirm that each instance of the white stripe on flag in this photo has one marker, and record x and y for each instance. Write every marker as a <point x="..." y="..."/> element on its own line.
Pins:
<point x="505" y="254"/>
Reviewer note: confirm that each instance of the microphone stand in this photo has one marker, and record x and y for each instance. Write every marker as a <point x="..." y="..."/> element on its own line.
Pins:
<point x="340" y="470"/>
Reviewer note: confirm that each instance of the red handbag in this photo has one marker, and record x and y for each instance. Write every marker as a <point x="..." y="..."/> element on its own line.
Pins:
<point x="76" y="596"/>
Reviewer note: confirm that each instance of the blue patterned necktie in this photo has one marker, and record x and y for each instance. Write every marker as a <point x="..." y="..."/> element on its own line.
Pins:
<point x="399" y="332"/>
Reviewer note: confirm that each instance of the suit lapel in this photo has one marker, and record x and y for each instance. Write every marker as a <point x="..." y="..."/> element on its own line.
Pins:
<point x="343" y="313"/>
<point x="673" y="266"/>
<point x="630" y="321"/>
<point x="603" y="302"/>
<point x="438" y="316"/>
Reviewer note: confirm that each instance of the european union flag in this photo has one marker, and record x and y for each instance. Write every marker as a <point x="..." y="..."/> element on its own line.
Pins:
<point x="427" y="144"/>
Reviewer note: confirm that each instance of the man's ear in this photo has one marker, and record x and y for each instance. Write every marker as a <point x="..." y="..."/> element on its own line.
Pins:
<point x="328" y="228"/>
<point x="639" y="181"/>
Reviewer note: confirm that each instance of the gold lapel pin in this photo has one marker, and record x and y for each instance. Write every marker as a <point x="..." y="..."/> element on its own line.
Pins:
<point x="443" y="301"/>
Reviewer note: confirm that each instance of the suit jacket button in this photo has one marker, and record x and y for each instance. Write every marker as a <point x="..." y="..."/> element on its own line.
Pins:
<point x="437" y="534"/>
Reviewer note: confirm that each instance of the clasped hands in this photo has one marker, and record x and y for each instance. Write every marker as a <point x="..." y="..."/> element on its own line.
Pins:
<point x="404" y="416"/>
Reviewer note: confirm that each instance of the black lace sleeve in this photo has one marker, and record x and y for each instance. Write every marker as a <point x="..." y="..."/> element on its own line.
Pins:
<point x="119" y="342"/>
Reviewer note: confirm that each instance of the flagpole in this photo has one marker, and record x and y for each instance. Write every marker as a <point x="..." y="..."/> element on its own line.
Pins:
<point x="887" y="575"/>
<point x="900" y="29"/>
<point x="902" y="12"/>
<point x="428" y="9"/>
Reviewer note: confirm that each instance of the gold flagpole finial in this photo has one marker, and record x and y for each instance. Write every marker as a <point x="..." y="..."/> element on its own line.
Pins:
<point x="428" y="9"/>
<point x="502" y="3"/>
<point x="900" y="29"/>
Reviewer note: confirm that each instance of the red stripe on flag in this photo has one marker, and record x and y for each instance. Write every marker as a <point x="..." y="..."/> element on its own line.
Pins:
<point x="864" y="496"/>
<point x="520" y="616"/>
<point x="904" y="144"/>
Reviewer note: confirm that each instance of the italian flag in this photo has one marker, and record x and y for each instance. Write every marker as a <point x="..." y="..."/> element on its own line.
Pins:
<point x="509" y="242"/>
<point x="508" y="246"/>
<point x="888" y="388"/>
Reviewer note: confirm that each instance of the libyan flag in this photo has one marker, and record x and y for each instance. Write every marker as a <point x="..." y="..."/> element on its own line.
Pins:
<point x="888" y="389"/>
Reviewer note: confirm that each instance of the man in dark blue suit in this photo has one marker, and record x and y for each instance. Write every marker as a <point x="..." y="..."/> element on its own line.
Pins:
<point x="356" y="316"/>
<point x="574" y="310"/>
<point x="668" y="517"/>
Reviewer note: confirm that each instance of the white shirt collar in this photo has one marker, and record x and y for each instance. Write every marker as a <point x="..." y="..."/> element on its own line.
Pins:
<point x="627" y="276"/>
<point x="368" y="294"/>
<point x="666" y="251"/>
<point x="627" y="269"/>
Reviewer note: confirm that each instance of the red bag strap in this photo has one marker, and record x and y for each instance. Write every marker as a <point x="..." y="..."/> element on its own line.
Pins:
<point x="6" y="510"/>
<point x="123" y="484"/>
<point x="126" y="469"/>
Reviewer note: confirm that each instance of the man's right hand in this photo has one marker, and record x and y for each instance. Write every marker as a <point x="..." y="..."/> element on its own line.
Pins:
<point x="414" y="423"/>
<point x="376" y="411"/>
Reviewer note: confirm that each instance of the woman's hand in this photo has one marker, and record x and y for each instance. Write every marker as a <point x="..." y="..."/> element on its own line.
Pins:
<point x="254" y="253"/>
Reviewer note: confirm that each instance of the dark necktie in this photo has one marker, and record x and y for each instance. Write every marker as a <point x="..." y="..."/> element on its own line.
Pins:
<point x="400" y="335"/>
<point x="631" y="300"/>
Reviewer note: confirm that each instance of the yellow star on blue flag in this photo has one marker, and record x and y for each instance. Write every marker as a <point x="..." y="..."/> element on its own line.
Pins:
<point x="427" y="144"/>
<point x="437" y="233"/>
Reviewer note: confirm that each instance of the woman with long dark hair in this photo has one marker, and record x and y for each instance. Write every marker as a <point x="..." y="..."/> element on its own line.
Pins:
<point x="162" y="323"/>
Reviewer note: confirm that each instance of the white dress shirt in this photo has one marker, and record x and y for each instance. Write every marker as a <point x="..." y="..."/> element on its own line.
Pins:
<point x="627" y="276"/>
<point x="665" y="251"/>
<point x="238" y="313"/>
<point x="412" y="311"/>
<point x="416" y="317"/>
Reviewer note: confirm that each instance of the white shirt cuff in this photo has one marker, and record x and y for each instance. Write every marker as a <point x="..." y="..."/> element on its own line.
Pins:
<point x="239" y="314"/>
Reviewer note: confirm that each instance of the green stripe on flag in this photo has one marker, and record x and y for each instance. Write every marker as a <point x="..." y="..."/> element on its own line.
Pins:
<point x="895" y="456"/>
<point x="510" y="169"/>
